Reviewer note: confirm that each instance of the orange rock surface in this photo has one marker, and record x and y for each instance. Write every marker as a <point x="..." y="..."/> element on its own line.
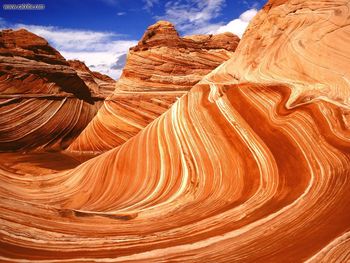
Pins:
<point x="252" y="165"/>
<point x="163" y="61"/>
<point x="160" y="69"/>
<point x="43" y="101"/>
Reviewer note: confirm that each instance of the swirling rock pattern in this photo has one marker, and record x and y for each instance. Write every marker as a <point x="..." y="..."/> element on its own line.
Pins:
<point x="121" y="117"/>
<point x="235" y="171"/>
<point x="43" y="101"/>
<point x="42" y="123"/>
<point x="159" y="70"/>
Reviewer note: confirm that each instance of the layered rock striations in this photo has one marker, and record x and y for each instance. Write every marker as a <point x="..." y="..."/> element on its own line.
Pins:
<point x="121" y="117"/>
<point x="159" y="70"/>
<point x="99" y="84"/>
<point x="164" y="61"/>
<point x="43" y="101"/>
<point x="251" y="165"/>
<point x="28" y="65"/>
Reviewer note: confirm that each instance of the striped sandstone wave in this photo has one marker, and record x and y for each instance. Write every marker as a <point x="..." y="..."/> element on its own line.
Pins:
<point x="251" y="165"/>
<point x="159" y="70"/>
<point x="44" y="104"/>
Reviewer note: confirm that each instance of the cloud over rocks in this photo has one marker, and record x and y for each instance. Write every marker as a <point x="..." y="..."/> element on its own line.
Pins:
<point x="239" y="25"/>
<point x="120" y="63"/>
<point x="198" y="16"/>
<point x="99" y="50"/>
<point x="105" y="51"/>
<point x="193" y="17"/>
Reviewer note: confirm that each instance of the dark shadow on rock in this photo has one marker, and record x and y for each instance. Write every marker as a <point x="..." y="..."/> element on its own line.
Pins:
<point x="70" y="83"/>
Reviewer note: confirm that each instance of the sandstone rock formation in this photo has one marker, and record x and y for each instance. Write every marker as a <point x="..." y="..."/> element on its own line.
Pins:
<point x="163" y="61"/>
<point x="252" y="165"/>
<point x="43" y="101"/>
<point x="122" y="116"/>
<point x="99" y="84"/>
<point x="160" y="69"/>
<point x="28" y="65"/>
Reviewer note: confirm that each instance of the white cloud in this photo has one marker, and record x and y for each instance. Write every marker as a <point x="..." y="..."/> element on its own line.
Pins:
<point x="195" y="16"/>
<point x="239" y="25"/>
<point x="121" y="13"/>
<point x="97" y="61"/>
<point x="103" y="60"/>
<point x="69" y="39"/>
<point x="99" y="50"/>
<point x="150" y="3"/>
<point x="105" y="51"/>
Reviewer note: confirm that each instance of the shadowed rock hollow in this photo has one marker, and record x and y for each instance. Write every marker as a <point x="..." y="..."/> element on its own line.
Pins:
<point x="43" y="101"/>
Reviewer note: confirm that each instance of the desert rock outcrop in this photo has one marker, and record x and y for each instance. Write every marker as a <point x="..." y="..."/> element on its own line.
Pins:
<point x="251" y="165"/>
<point x="164" y="61"/>
<point x="43" y="101"/>
<point x="159" y="70"/>
<point x="99" y="84"/>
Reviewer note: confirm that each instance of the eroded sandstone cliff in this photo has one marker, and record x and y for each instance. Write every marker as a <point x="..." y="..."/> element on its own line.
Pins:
<point x="164" y="61"/>
<point x="43" y="101"/>
<point x="159" y="70"/>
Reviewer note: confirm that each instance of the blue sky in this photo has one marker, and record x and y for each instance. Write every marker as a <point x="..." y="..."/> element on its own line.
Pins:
<point x="100" y="32"/>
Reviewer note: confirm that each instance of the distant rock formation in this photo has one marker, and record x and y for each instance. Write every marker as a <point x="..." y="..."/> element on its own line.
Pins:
<point x="29" y="65"/>
<point x="99" y="84"/>
<point x="159" y="69"/>
<point x="164" y="61"/>
<point x="44" y="103"/>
